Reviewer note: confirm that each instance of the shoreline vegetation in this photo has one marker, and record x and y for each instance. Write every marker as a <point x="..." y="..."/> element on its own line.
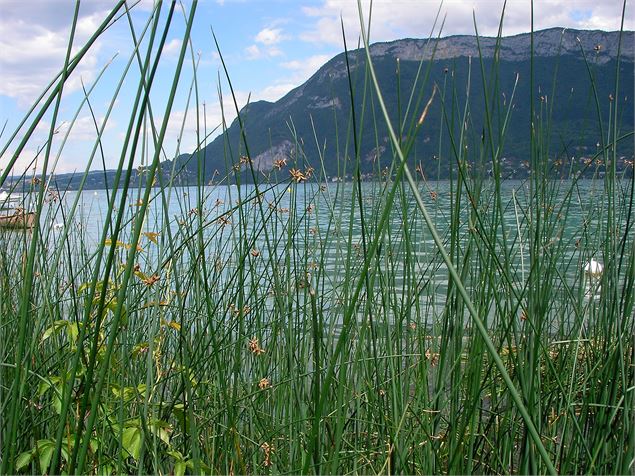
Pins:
<point x="300" y="325"/>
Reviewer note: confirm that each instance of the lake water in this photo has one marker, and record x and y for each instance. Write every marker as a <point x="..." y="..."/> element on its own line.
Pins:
<point x="305" y="227"/>
<point x="314" y="208"/>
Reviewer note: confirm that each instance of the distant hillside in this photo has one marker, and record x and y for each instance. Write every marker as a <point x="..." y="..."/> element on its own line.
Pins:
<point x="321" y="107"/>
<point x="313" y="121"/>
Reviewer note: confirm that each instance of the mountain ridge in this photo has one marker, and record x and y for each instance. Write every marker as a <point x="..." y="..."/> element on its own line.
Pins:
<point x="548" y="42"/>
<point x="326" y="94"/>
<point x="320" y="107"/>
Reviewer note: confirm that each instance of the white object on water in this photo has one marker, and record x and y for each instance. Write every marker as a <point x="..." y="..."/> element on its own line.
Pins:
<point x="593" y="268"/>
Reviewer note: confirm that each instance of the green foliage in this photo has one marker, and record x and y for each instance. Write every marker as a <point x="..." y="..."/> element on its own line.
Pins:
<point x="404" y="325"/>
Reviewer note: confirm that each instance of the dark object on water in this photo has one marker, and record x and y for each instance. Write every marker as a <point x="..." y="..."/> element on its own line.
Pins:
<point x="18" y="220"/>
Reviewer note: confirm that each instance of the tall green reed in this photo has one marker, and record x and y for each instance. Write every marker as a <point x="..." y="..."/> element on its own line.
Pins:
<point x="300" y="325"/>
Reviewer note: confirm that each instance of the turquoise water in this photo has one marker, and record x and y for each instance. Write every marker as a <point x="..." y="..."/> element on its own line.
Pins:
<point x="313" y="233"/>
<point x="333" y="201"/>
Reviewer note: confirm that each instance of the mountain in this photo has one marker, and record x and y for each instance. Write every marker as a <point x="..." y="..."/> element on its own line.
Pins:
<point x="311" y="124"/>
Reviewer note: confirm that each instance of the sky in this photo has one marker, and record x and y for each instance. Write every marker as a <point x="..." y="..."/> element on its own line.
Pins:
<point x="269" y="48"/>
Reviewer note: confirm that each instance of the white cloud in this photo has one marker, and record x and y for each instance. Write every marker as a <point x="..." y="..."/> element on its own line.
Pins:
<point x="26" y="160"/>
<point x="173" y="46"/>
<point x="306" y="67"/>
<point x="270" y="36"/>
<point x="84" y="128"/>
<point x="77" y="145"/>
<point x="301" y="70"/>
<point x="254" y="52"/>
<point x="265" y="44"/>
<point x="32" y="52"/>
<point x="393" y="19"/>
<point x="210" y="118"/>
<point x="275" y="91"/>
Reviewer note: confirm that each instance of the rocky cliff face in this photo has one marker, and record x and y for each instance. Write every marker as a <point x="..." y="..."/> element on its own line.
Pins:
<point x="599" y="46"/>
<point x="319" y="109"/>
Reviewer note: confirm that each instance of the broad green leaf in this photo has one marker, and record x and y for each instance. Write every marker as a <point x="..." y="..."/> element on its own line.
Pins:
<point x="94" y="445"/>
<point x="205" y="469"/>
<point x="179" y="413"/>
<point x="73" y="331"/>
<point x="179" y="468"/>
<point x="53" y="330"/>
<point x="105" y="470"/>
<point x="176" y="454"/>
<point x="23" y="460"/>
<point x="85" y="286"/>
<point x="45" y="450"/>
<point x="47" y="384"/>
<point x="141" y="389"/>
<point x="112" y="307"/>
<point x="132" y="439"/>
<point x="56" y="399"/>
<point x="65" y="455"/>
<point x="162" y="430"/>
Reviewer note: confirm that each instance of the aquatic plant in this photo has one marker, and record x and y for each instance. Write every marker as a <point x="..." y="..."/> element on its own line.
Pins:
<point x="403" y="325"/>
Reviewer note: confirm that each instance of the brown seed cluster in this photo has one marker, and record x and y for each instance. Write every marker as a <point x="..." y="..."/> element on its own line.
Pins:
<point x="297" y="175"/>
<point x="267" y="449"/>
<point x="254" y="347"/>
<point x="223" y="221"/>
<point x="280" y="163"/>
<point x="432" y="357"/>
<point x="149" y="281"/>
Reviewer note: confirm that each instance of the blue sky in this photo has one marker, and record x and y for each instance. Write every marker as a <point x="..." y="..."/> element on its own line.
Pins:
<point x="270" y="47"/>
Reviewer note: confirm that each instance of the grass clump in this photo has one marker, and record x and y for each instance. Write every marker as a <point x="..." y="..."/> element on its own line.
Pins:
<point x="403" y="325"/>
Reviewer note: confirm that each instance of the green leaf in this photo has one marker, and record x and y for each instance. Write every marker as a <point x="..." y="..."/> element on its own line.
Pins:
<point x="121" y="392"/>
<point x="176" y="454"/>
<point x="105" y="470"/>
<point x="53" y="330"/>
<point x="45" y="385"/>
<point x="205" y="469"/>
<point x="132" y="439"/>
<point x="56" y="399"/>
<point x="94" y="445"/>
<point x="87" y="285"/>
<point x="73" y="332"/>
<point x="179" y="468"/>
<point x="141" y="390"/>
<point x="179" y="413"/>
<point x="162" y="430"/>
<point x="52" y="383"/>
<point x="45" y="450"/>
<point x="23" y="460"/>
<point x="65" y="455"/>
<point x="112" y="307"/>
